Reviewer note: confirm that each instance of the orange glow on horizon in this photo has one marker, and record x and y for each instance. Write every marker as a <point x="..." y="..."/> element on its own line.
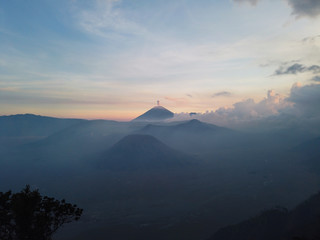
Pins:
<point x="123" y="116"/>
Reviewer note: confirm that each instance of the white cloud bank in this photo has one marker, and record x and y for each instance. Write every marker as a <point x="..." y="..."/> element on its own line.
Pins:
<point x="300" y="109"/>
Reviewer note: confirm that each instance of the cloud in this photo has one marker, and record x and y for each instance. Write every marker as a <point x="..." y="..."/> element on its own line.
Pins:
<point x="9" y="96"/>
<point x="296" y="68"/>
<point x="299" y="110"/>
<point x="246" y="110"/>
<point x="105" y="19"/>
<point x="252" y="2"/>
<point x="305" y="8"/>
<point x="316" y="78"/>
<point x="301" y="8"/>
<point x="283" y="63"/>
<point x="306" y="99"/>
<point x="223" y="93"/>
<point x="311" y="39"/>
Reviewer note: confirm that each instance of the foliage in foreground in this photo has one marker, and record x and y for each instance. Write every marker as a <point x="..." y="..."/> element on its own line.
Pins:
<point x="28" y="215"/>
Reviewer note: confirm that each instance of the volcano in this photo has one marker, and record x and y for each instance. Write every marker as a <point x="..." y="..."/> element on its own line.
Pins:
<point x="142" y="152"/>
<point x="157" y="113"/>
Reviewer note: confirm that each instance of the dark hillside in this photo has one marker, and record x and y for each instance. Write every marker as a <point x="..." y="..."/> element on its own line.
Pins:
<point x="303" y="222"/>
<point x="142" y="152"/>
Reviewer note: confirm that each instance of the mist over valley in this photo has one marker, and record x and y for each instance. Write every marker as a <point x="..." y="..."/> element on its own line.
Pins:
<point x="160" y="180"/>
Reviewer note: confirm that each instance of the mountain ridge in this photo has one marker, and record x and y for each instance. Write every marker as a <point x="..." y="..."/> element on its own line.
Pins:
<point x="20" y="125"/>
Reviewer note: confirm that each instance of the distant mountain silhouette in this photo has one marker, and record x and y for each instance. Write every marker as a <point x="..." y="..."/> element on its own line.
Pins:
<point x="89" y="138"/>
<point x="193" y="126"/>
<point x="142" y="152"/>
<point x="196" y="125"/>
<point x="191" y="136"/>
<point x="21" y="125"/>
<point x="84" y="132"/>
<point x="303" y="223"/>
<point x="157" y="113"/>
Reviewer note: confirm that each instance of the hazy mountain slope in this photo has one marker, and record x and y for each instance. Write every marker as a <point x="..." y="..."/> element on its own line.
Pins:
<point x="192" y="136"/>
<point x="202" y="138"/>
<point x="30" y="125"/>
<point x="278" y="224"/>
<point x="198" y="127"/>
<point x="142" y="152"/>
<point x="79" y="142"/>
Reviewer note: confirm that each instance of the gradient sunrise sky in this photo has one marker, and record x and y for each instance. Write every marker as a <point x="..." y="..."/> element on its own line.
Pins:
<point x="114" y="59"/>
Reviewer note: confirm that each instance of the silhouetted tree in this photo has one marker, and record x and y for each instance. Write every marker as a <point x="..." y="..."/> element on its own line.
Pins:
<point x="29" y="216"/>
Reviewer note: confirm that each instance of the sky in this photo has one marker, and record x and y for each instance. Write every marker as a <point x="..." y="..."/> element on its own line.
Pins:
<point x="113" y="59"/>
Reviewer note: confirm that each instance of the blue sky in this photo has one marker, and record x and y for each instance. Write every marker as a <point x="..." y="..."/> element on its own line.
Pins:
<point x="113" y="59"/>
